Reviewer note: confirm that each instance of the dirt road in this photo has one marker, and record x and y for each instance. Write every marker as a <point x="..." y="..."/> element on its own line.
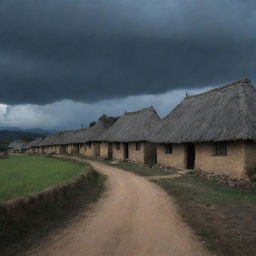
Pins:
<point x="135" y="218"/>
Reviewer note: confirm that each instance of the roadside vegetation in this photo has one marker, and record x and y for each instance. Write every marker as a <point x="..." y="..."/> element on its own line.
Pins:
<point x="23" y="175"/>
<point x="223" y="217"/>
<point x="141" y="170"/>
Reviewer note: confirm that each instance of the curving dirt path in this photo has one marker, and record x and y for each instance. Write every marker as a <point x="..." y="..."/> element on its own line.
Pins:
<point x="135" y="218"/>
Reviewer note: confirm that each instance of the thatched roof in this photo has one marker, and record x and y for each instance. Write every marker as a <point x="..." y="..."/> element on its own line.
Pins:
<point x="32" y="144"/>
<point x="63" y="137"/>
<point x="132" y="126"/>
<point x="49" y="140"/>
<point x="36" y="142"/>
<point x="93" y="133"/>
<point x="16" y="145"/>
<point x="222" y="114"/>
<point x="77" y="137"/>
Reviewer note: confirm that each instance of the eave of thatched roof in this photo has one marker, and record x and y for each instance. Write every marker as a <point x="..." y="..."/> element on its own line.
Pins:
<point x="132" y="126"/>
<point x="222" y="114"/>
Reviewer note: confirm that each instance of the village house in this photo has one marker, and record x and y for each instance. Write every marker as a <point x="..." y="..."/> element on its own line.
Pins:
<point x="35" y="145"/>
<point x="214" y="131"/>
<point x="15" y="146"/>
<point x="73" y="143"/>
<point x="32" y="147"/>
<point x="88" y="139"/>
<point x="47" y="145"/>
<point x="129" y="137"/>
<point x="62" y="143"/>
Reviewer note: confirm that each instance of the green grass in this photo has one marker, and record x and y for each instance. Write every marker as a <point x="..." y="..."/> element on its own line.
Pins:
<point x="207" y="192"/>
<point x="223" y="217"/>
<point x="142" y="170"/>
<point x="23" y="175"/>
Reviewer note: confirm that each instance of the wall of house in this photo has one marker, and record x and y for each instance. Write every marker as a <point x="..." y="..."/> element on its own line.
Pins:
<point x="118" y="154"/>
<point x="177" y="159"/>
<point x="232" y="164"/>
<point x="69" y="149"/>
<point x="60" y="149"/>
<point x="104" y="150"/>
<point x="250" y="157"/>
<point x="52" y="149"/>
<point x="82" y="149"/>
<point x="94" y="151"/>
<point x="41" y="150"/>
<point x="75" y="150"/>
<point x="31" y="150"/>
<point x="134" y="155"/>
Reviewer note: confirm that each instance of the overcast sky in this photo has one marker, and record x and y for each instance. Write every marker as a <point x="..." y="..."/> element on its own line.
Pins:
<point x="65" y="62"/>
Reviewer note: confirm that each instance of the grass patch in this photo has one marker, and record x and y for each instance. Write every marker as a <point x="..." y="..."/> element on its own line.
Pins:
<point x="141" y="170"/>
<point x="23" y="175"/>
<point x="224" y="217"/>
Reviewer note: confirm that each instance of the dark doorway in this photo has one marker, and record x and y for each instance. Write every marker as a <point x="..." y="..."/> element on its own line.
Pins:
<point x="110" y="150"/>
<point x="190" y="156"/>
<point x="126" y="150"/>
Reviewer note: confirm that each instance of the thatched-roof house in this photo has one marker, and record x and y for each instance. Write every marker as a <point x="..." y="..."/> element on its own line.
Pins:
<point x="213" y="131"/>
<point x="16" y="146"/>
<point x="129" y="136"/>
<point x="63" y="142"/>
<point x="32" y="146"/>
<point x="47" y="145"/>
<point x="87" y="139"/>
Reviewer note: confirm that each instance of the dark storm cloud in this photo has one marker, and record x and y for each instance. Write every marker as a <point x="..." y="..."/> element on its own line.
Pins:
<point x="96" y="49"/>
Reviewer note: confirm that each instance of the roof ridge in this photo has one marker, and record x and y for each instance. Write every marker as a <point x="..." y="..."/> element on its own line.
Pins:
<point x="244" y="80"/>
<point x="140" y="110"/>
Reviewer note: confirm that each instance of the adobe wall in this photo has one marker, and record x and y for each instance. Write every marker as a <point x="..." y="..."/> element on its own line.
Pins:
<point x="118" y="154"/>
<point x="136" y="156"/>
<point x="250" y="157"/>
<point x="104" y="150"/>
<point x="60" y="149"/>
<point x="177" y="159"/>
<point x="232" y="164"/>
<point x="41" y="150"/>
<point x="69" y="149"/>
<point x="94" y="151"/>
<point x="82" y="149"/>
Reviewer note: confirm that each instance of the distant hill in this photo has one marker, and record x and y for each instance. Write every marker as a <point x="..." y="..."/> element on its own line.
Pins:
<point x="33" y="130"/>
<point x="9" y="136"/>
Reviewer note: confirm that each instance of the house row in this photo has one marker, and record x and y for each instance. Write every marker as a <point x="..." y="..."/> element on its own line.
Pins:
<point x="214" y="131"/>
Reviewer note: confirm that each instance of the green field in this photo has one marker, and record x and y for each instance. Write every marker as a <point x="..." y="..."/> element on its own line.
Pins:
<point x="24" y="175"/>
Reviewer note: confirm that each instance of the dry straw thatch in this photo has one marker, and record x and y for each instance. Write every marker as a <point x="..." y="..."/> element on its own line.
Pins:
<point x="32" y="144"/>
<point x="16" y="145"/>
<point x="49" y="140"/>
<point x="132" y="126"/>
<point x="93" y="133"/>
<point x="226" y="113"/>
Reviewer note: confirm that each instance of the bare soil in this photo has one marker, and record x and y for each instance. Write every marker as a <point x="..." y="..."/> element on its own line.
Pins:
<point x="135" y="217"/>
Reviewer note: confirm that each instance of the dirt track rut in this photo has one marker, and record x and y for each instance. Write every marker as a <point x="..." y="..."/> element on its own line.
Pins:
<point x="134" y="218"/>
